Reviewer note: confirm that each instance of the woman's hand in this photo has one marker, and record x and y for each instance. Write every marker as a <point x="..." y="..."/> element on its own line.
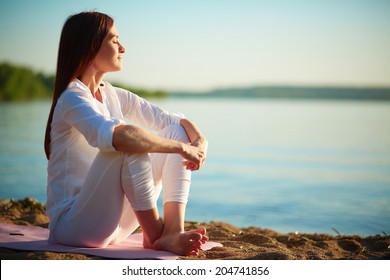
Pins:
<point x="198" y="141"/>
<point x="201" y="143"/>
<point x="195" y="154"/>
<point x="195" y="157"/>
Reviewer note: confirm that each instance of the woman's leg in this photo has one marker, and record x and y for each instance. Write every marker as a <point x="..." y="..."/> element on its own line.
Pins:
<point x="142" y="193"/>
<point x="101" y="214"/>
<point x="117" y="197"/>
<point x="176" y="180"/>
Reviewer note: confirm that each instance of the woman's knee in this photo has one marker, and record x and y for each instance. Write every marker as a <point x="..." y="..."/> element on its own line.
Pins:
<point x="174" y="132"/>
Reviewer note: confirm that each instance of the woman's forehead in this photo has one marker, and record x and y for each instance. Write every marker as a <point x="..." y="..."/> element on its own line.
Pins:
<point x="113" y="31"/>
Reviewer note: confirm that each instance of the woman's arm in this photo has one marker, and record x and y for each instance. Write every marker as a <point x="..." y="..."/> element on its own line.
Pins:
<point x="131" y="139"/>
<point x="197" y="140"/>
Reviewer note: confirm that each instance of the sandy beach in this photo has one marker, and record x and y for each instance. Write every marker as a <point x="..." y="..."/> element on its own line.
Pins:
<point x="251" y="243"/>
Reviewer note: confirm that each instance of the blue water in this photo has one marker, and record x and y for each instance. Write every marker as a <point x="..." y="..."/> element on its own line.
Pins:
<point x="306" y="166"/>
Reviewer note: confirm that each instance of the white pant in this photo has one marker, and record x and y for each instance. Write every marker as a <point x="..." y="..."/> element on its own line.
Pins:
<point x="117" y="184"/>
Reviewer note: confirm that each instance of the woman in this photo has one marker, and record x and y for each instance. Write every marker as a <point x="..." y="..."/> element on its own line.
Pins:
<point x="104" y="176"/>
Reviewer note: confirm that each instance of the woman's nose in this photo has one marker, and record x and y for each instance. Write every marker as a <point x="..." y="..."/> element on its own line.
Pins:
<point x="121" y="48"/>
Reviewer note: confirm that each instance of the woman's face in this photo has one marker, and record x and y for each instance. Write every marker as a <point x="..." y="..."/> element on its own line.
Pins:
<point x="109" y="57"/>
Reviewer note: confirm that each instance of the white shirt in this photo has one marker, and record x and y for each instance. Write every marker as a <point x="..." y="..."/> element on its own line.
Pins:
<point x="81" y="127"/>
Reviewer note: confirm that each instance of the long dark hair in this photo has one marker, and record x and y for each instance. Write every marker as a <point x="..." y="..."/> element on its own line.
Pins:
<point x="81" y="38"/>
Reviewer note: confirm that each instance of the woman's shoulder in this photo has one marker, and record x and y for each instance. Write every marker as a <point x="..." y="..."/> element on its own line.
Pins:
<point x="75" y="94"/>
<point x="112" y="88"/>
<point x="77" y="86"/>
<point x="123" y="94"/>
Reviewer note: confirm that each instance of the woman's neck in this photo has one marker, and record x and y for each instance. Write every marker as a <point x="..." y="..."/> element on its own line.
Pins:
<point x="92" y="82"/>
<point x="92" y="79"/>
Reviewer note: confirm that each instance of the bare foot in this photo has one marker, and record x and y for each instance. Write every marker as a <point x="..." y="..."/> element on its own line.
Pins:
<point x="185" y="244"/>
<point x="202" y="231"/>
<point x="146" y="243"/>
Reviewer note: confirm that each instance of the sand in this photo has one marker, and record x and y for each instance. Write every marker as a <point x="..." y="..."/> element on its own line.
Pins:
<point x="251" y="243"/>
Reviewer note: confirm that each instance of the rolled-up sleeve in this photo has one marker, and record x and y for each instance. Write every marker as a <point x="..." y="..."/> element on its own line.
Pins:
<point x="80" y="112"/>
<point x="105" y="134"/>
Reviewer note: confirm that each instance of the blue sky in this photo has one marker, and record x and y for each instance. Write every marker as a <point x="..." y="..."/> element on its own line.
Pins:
<point x="200" y="45"/>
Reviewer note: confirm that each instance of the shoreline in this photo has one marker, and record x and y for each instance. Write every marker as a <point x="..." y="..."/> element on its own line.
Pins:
<point x="251" y="243"/>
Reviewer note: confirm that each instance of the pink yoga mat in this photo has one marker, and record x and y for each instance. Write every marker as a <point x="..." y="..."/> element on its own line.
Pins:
<point x="31" y="238"/>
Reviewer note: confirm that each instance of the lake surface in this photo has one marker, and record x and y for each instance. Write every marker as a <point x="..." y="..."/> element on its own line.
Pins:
<point x="307" y="166"/>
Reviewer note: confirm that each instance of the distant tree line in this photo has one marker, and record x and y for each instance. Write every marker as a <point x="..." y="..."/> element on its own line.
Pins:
<point x="21" y="83"/>
<point x="18" y="83"/>
<point x="293" y="92"/>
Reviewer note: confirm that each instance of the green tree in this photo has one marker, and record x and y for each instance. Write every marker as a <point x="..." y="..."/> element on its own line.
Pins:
<point x="21" y="83"/>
